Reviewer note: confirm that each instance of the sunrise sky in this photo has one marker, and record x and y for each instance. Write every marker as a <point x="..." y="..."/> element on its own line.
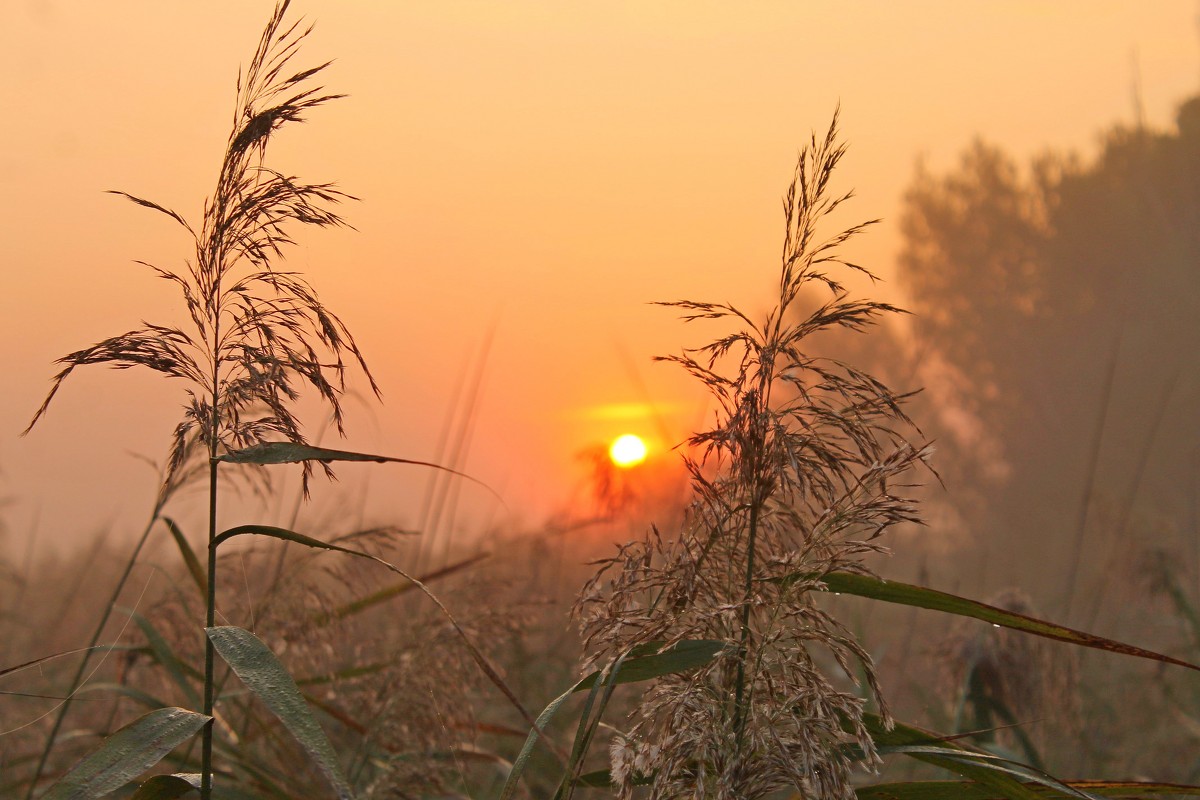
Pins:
<point x="532" y="174"/>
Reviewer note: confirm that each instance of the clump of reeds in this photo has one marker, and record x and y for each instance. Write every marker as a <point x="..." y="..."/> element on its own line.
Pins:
<point x="256" y="336"/>
<point x="798" y="477"/>
<point x="397" y="688"/>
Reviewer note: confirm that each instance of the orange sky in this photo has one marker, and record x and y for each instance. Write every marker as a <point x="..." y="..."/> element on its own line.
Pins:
<point x="539" y="169"/>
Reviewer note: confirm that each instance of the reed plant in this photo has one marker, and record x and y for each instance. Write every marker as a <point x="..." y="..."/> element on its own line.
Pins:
<point x="755" y="685"/>
<point x="255" y="339"/>
<point x="799" y="477"/>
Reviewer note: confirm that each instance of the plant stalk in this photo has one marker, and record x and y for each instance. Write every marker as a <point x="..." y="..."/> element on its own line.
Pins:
<point x="209" y="621"/>
<point x="210" y="616"/>
<point x="740" y="712"/>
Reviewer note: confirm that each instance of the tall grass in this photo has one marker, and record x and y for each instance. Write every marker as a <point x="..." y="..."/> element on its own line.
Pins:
<point x="256" y="336"/>
<point x="756" y="686"/>
<point x="799" y="477"/>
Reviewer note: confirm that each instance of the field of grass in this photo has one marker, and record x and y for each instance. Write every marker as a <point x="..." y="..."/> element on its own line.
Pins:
<point x="754" y="640"/>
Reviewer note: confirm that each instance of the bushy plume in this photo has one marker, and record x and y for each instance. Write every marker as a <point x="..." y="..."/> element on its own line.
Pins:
<point x="798" y="477"/>
<point x="256" y="336"/>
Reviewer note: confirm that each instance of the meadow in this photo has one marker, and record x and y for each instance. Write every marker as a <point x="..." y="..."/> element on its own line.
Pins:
<point x="766" y="636"/>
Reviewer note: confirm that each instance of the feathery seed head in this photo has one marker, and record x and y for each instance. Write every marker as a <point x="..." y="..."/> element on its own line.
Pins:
<point x="256" y="336"/>
<point x="797" y="478"/>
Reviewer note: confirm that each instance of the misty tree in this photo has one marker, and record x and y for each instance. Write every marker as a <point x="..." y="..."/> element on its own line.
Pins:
<point x="1058" y="309"/>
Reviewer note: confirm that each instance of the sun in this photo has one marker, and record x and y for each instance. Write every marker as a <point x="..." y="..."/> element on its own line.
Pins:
<point x="627" y="451"/>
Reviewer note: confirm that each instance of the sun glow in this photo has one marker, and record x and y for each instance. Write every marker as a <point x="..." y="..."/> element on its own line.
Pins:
<point x="627" y="451"/>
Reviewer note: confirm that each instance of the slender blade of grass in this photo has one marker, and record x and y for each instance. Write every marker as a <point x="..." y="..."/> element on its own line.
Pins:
<point x="910" y="740"/>
<point x="643" y="663"/>
<point x="922" y="597"/>
<point x="522" y="759"/>
<point x="166" y="657"/>
<point x="388" y="592"/>
<point x="43" y="659"/>
<point x="308" y="541"/>
<point x="964" y="790"/>
<point x="264" y="675"/>
<point x="293" y="453"/>
<point x="127" y="754"/>
<point x="646" y="661"/>
<point x="189" y="558"/>
<point x="955" y="759"/>
<point x="167" y="787"/>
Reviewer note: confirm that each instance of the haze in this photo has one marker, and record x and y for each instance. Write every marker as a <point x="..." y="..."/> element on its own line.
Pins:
<point x="535" y="173"/>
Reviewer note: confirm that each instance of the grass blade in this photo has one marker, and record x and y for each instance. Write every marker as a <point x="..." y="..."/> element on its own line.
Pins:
<point x="262" y="673"/>
<point x="539" y="725"/>
<point x="643" y="663"/>
<point x="189" y="558"/>
<point x="294" y="453"/>
<point x="43" y="659"/>
<point x="953" y="759"/>
<point x="963" y="790"/>
<point x="909" y="595"/>
<point x="166" y="657"/>
<point x="127" y="754"/>
<point x="299" y="538"/>
<point x="167" y="787"/>
<point x="388" y="592"/>
<point x="646" y="661"/>
<point x="920" y="745"/>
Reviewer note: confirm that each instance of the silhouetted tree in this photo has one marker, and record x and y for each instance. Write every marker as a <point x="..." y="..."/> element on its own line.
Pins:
<point x="1058" y="307"/>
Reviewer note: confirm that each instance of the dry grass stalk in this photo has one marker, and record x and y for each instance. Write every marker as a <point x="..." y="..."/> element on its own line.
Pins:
<point x="256" y="336"/>
<point x="798" y="477"/>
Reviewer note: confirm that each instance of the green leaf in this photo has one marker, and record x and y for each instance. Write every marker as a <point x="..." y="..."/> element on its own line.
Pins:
<point x="585" y="729"/>
<point x="166" y="657"/>
<point x="167" y="787"/>
<point x="646" y="662"/>
<point x="950" y="756"/>
<point x="294" y="453"/>
<point x="522" y="759"/>
<point x="299" y="538"/>
<point x="1135" y="788"/>
<point x="643" y="663"/>
<point x="127" y="754"/>
<point x="922" y="597"/>
<point x="262" y="673"/>
<point x="189" y="558"/>
<point x="962" y="790"/>
<point x="940" y="751"/>
<point x="602" y="779"/>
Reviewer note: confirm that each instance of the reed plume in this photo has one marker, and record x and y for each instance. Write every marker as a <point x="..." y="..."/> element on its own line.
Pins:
<point x="797" y="478"/>
<point x="256" y="336"/>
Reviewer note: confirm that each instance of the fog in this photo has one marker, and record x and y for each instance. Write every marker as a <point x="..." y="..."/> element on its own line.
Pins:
<point x="535" y="172"/>
<point x="528" y="182"/>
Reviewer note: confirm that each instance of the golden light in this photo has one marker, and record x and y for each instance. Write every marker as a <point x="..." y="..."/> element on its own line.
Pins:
<point x="627" y="451"/>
